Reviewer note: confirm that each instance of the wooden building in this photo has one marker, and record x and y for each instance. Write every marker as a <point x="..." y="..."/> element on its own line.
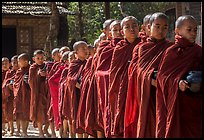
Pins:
<point x="25" y="26"/>
<point x="185" y="8"/>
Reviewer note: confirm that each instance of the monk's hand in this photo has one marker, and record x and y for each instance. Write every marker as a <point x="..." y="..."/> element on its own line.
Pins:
<point x="42" y="73"/>
<point x="183" y="85"/>
<point x="78" y="85"/>
<point x="10" y="86"/>
<point x="154" y="82"/>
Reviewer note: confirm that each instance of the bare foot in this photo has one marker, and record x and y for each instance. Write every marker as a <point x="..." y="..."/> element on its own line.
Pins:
<point x="47" y="133"/>
<point x="24" y="135"/>
<point x="17" y="133"/>
<point x="41" y="136"/>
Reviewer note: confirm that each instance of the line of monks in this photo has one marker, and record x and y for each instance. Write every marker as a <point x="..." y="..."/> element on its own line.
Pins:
<point x="129" y="84"/>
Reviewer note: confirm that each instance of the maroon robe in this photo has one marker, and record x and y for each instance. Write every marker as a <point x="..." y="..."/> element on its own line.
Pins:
<point x="118" y="82"/>
<point x="85" y="83"/>
<point x="3" y="99"/>
<point x="92" y="112"/>
<point x="149" y="56"/>
<point x="21" y="92"/>
<point x="8" y="95"/>
<point x="178" y="114"/>
<point x="62" y="83"/>
<point x="72" y="94"/>
<point x="102" y="78"/>
<point x="54" y="90"/>
<point x="39" y="94"/>
<point x="50" y="70"/>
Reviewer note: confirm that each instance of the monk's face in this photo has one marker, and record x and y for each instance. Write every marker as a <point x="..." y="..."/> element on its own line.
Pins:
<point x="130" y="29"/>
<point x="159" y="28"/>
<point x="56" y="56"/>
<point x="71" y="56"/>
<point x="5" y="65"/>
<point x="14" y="64"/>
<point x="22" y="63"/>
<point x="116" y="31"/>
<point x="82" y="51"/>
<point x="39" y="59"/>
<point x="188" y="30"/>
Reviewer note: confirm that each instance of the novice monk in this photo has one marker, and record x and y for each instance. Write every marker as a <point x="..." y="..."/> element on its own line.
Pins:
<point x="178" y="109"/>
<point x="72" y="96"/>
<point x="21" y="92"/>
<point x="5" y="68"/>
<point x="149" y="56"/>
<point x="80" y="120"/>
<point x="102" y="74"/>
<point x="39" y="93"/>
<point x="118" y="77"/>
<point x="54" y="85"/>
<point x="50" y="70"/>
<point x="7" y="90"/>
<point x="144" y="28"/>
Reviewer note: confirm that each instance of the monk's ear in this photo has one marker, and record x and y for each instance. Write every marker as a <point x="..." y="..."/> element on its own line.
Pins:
<point x="109" y="35"/>
<point x="122" y="32"/>
<point x="176" y="31"/>
<point x="149" y="27"/>
<point x="33" y="59"/>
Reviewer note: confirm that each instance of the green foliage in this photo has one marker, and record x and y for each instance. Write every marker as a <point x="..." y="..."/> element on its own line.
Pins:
<point x="93" y="15"/>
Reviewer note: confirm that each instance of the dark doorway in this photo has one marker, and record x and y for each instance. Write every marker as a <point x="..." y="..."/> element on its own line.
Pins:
<point x="9" y="43"/>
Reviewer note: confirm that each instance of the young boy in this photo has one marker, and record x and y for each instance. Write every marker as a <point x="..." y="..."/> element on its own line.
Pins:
<point x="51" y="68"/>
<point x="54" y="86"/>
<point x="149" y="56"/>
<point x="177" y="105"/>
<point x="39" y="93"/>
<point x="7" y="91"/>
<point x="21" y="92"/>
<point x="72" y="96"/>
<point x="118" y="73"/>
<point x="144" y="28"/>
<point x="102" y="75"/>
<point x="5" y="68"/>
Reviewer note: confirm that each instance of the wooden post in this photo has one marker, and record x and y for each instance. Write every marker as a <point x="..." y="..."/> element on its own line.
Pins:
<point x="107" y="10"/>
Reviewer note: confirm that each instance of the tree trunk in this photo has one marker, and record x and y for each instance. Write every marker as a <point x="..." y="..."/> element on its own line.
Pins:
<point x="51" y="40"/>
<point x="107" y="10"/>
<point x="122" y="9"/>
<point x="81" y="30"/>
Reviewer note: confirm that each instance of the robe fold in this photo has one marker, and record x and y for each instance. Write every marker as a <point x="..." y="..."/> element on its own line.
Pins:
<point x="85" y="83"/>
<point x="118" y="82"/>
<point x="8" y="95"/>
<point x="62" y="83"/>
<point x="54" y="84"/>
<point x="102" y="81"/>
<point x="22" y="95"/>
<point x="4" y="97"/>
<point x="51" y="68"/>
<point x="39" y="94"/>
<point x="178" y="114"/>
<point x="72" y="93"/>
<point x="149" y="57"/>
<point x="92" y="112"/>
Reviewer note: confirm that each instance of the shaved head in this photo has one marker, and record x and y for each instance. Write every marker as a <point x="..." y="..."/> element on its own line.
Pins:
<point x="156" y="16"/>
<point x="181" y="19"/>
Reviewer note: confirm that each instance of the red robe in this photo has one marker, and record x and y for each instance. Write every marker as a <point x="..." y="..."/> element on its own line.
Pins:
<point x="62" y="83"/>
<point x="92" y="112"/>
<point x="8" y="96"/>
<point x="118" y="82"/>
<point x="85" y="83"/>
<point x="149" y="56"/>
<point x="21" y="92"/>
<point x="178" y="114"/>
<point x="51" y="68"/>
<point x="102" y="78"/>
<point x="72" y="94"/>
<point x="39" y="94"/>
<point x="54" y="90"/>
<point x="3" y="99"/>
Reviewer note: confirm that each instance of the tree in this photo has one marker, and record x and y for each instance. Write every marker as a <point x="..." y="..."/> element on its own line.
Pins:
<point x="51" y="40"/>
